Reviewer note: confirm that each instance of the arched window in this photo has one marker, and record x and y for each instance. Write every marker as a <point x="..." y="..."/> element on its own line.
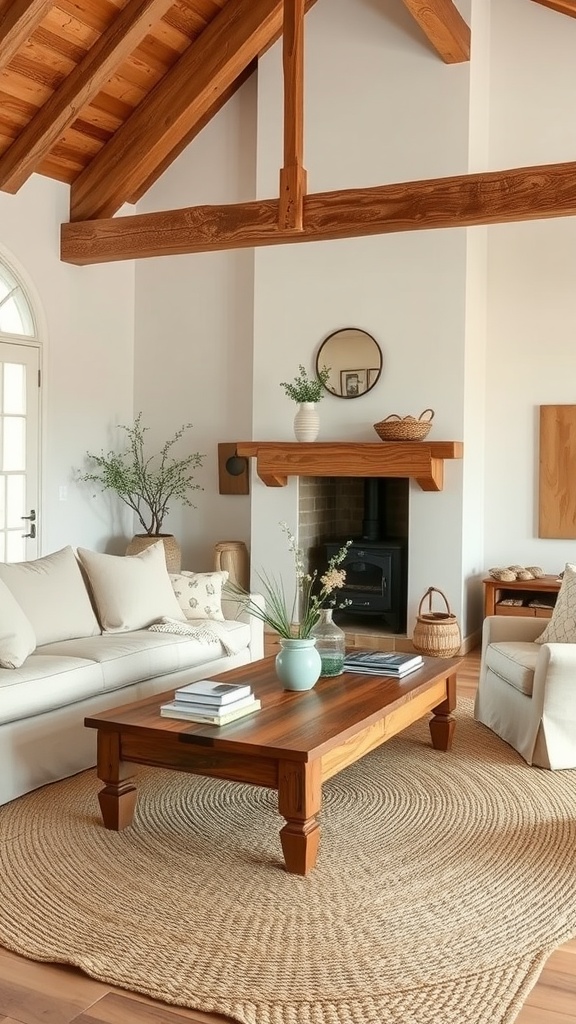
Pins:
<point x="16" y="316"/>
<point x="20" y="512"/>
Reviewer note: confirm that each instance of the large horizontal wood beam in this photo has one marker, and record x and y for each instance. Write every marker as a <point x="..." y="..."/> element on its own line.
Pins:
<point x="492" y="197"/>
<point x="562" y="6"/>
<point x="444" y="26"/>
<point x="84" y="82"/>
<point x="17" y="24"/>
<point x="207" y="68"/>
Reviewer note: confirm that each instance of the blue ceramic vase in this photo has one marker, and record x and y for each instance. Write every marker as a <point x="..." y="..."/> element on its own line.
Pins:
<point x="298" y="664"/>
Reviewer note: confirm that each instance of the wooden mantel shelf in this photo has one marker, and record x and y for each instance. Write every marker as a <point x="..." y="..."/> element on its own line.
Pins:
<point x="422" y="460"/>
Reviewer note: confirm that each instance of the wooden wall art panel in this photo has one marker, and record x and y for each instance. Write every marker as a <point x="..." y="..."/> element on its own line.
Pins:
<point x="557" y="478"/>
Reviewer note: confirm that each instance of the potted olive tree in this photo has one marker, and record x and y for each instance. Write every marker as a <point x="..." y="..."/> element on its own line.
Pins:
<point x="147" y="484"/>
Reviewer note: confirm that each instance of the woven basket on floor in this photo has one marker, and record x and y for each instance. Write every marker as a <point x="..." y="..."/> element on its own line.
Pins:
<point x="436" y="633"/>
<point x="396" y="428"/>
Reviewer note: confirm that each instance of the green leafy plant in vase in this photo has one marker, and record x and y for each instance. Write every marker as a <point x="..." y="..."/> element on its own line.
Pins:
<point x="307" y="392"/>
<point x="295" y="622"/>
<point x="148" y="484"/>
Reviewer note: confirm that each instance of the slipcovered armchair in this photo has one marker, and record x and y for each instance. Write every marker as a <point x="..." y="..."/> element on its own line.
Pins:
<point x="527" y="691"/>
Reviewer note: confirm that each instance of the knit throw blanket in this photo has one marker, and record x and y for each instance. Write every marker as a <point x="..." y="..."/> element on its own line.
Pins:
<point x="208" y="632"/>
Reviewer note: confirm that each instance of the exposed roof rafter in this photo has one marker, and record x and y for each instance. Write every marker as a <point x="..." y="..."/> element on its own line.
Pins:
<point x="207" y="68"/>
<point x="491" y="197"/>
<point x="562" y="6"/>
<point x="77" y="90"/>
<point x="442" y="23"/>
<point x="17" y="23"/>
<point x="170" y="157"/>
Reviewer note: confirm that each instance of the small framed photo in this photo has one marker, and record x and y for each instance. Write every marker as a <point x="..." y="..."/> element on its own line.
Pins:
<point x="353" y="382"/>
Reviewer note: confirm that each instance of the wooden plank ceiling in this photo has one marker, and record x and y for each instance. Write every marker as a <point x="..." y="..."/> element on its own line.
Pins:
<point x="104" y="94"/>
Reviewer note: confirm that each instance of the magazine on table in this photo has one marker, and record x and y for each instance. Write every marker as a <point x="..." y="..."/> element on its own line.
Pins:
<point x="382" y="662"/>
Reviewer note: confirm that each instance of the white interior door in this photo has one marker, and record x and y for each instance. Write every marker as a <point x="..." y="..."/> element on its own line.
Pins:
<point x="19" y="451"/>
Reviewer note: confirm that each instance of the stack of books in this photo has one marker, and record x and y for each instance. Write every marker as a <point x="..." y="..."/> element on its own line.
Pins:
<point x="382" y="663"/>
<point x="211" y="703"/>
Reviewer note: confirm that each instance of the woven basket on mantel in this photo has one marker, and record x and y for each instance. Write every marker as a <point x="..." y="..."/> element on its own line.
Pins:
<point x="407" y="428"/>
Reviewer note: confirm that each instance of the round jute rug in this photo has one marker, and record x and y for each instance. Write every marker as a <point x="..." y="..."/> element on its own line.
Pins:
<point x="443" y="882"/>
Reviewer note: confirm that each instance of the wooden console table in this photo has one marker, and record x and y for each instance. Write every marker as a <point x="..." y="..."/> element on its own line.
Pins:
<point x="495" y="591"/>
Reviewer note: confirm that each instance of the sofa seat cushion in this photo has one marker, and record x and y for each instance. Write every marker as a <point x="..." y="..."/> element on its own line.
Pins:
<point x="132" y="657"/>
<point x="46" y="682"/>
<point x="53" y="596"/>
<point x="514" y="662"/>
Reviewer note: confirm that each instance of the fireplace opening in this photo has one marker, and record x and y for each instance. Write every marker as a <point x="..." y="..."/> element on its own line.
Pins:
<point x="373" y="513"/>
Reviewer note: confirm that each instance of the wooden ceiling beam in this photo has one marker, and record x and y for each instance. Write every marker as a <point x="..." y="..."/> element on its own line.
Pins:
<point x="211" y="112"/>
<point x="562" y="6"/>
<point x="444" y="26"/>
<point x="204" y="71"/>
<point x="17" y="23"/>
<point x="491" y="197"/>
<point x="34" y="143"/>
<point x="292" y="175"/>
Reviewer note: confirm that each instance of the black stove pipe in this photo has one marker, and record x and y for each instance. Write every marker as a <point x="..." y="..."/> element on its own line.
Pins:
<point x="371" y="520"/>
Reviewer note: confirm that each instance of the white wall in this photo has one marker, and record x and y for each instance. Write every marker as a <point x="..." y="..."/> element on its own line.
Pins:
<point x="380" y="106"/>
<point x="531" y="358"/>
<point x="194" y="324"/>
<point x="475" y="338"/>
<point x="86" y="330"/>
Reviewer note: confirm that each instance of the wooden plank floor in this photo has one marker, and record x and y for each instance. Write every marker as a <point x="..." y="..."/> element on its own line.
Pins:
<point x="34" y="993"/>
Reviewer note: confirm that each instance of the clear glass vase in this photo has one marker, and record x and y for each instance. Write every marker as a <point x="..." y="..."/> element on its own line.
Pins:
<point x="330" y="644"/>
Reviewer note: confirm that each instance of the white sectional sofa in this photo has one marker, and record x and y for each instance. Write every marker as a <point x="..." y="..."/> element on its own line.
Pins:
<point x="82" y="632"/>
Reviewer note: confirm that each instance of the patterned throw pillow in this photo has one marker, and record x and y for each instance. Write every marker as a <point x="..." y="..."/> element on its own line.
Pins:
<point x="199" y="594"/>
<point x="562" y="626"/>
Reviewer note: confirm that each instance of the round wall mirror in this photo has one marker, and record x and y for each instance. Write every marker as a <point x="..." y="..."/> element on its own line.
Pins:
<point x="355" y="361"/>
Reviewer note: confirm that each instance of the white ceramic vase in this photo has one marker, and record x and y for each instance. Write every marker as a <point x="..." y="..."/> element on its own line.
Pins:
<point x="306" y="422"/>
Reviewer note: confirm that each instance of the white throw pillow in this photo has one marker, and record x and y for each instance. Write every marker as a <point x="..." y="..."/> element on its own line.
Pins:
<point x="52" y="594"/>
<point x="561" y="628"/>
<point x="199" y="594"/>
<point x="17" y="638"/>
<point x="130" y="591"/>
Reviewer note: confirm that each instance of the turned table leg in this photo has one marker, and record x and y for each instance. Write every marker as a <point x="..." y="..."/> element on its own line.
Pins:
<point x="442" y="725"/>
<point x="118" y="798"/>
<point x="299" y="801"/>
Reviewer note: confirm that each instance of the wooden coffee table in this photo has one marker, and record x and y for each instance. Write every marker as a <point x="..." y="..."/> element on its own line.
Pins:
<point x="293" y="744"/>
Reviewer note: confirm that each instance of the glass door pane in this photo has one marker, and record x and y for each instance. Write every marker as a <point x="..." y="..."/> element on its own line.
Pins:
<point x="19" y="447"/>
